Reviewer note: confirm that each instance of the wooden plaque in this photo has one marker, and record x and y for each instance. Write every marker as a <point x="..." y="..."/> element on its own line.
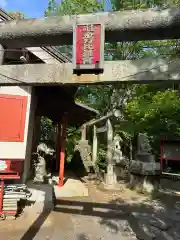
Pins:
<point x="88" y="49"/>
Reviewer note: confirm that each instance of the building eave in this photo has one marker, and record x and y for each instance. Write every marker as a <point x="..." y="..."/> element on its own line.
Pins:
<point x="52" y="51"/>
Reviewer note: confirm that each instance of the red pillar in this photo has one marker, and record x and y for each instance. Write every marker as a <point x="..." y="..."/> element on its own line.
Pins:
<point x="62" y="151"/>
<point x="58" y="132"/>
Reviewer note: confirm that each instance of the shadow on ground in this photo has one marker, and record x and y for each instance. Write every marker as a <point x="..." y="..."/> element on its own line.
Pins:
<point x="148" y="219"/>
<point x="39" y="221"/>
<point x="36" y="226"/>
<point x="151" y="219"/>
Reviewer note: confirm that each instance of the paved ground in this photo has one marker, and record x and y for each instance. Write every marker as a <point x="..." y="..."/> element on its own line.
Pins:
<point x="72" y="187"/>
<point x="122" y="215"/>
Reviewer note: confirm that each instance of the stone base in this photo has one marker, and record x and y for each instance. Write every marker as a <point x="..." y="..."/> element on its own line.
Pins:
<point x="38" y="180"/>
<point x="72" y="188"/>
<point x="148" y="184"/>
<point x="145" y="157"/>
<point x="145" y="168"/>
<point x="110" y="176"/>
<point x="121" y="173"/>
<point x="108" y="187"/>
<point x="110" y="179"/>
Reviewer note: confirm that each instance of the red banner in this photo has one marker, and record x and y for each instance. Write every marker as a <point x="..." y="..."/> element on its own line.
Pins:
<point x="88" y="44"/>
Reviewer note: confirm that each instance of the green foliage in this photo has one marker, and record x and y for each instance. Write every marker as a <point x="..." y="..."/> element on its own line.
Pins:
<point x="79" y="7"/>
<point x="51" y="9"/>
<point x="97" y="97"/>
<point x="101" y="158"/>
<point x="70" y="7"/>
<point x="46" y="131"/>
<point x="156" y="113"/>
<point x="73" y="137"/>
<point x="142" y="4"/>
<point x="153" y="109"/>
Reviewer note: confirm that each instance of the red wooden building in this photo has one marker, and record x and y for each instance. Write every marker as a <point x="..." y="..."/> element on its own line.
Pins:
<point x="170" y="154"/>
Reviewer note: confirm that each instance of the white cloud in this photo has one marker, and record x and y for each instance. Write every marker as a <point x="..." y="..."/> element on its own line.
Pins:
<point x="3" y="3"/>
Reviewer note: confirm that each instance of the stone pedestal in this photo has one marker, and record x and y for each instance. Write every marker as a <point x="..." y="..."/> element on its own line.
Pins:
<point x="144" y="176"/>
<point x="110" y="177"/>
<point x="144" y="171"/>
<point x="121" y="163"/>
<point x="143" y="183"/>
<point x="145" y="157"/>
<point x="122" y="169"/>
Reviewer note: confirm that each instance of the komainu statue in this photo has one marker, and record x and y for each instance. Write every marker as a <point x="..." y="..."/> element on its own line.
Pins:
<point x="40" y="162"/>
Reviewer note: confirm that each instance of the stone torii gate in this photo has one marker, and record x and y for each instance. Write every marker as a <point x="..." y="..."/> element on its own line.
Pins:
<point x="135" y="25"/>
<point x="119" y="26"/>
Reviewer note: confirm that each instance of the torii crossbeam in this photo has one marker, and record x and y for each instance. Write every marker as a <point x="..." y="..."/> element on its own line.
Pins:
<point x="136" y="71"/>
<point x="133" y="25"/>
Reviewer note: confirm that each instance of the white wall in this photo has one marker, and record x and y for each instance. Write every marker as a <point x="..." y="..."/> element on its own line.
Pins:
<point x="16" y="150"/>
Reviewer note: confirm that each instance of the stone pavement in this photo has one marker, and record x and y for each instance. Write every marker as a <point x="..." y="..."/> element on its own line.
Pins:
<point x="73" y="187"/>
<point x="103" y="215"/>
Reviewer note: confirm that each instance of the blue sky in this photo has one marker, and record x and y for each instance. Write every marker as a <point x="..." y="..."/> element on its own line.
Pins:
<point x="31" y="8"/>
